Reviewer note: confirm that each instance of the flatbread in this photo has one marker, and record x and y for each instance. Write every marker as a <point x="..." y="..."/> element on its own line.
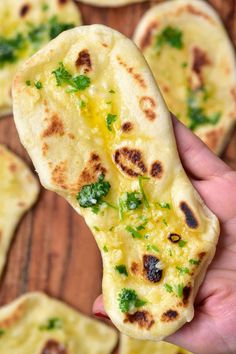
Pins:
<point x="18" y="192"/>
<point x="133" y="346"/>
<point x="26" y="26"/>
<point x="100" y="135"/>
<point x="193" y="61"/>
<point x="37" y="324"/>
<point x="110" y="3"/>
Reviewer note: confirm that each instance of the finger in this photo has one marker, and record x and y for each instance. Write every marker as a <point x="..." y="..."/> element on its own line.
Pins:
<point x="197" y="158"/>
<point x="98" y="308"/>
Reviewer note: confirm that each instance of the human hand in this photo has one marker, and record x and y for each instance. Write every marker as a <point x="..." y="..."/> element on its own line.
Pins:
<point x="213" y="329"/>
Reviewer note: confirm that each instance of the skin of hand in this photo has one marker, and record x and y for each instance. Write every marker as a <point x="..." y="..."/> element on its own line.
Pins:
<point x="213" y="328"/>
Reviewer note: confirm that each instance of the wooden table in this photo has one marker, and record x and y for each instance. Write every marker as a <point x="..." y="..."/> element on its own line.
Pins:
<point x="53" y="250"/>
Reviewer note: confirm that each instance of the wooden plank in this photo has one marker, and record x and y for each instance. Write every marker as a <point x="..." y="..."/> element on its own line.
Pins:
<point x="53" y="250"/>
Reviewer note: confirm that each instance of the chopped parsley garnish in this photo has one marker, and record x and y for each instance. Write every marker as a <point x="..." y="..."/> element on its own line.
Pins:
<point x="37" y="34"/>
<point x="179" y="290"/>
<point x="111" y="91"/>
<point x="197" y="114"/>
<point x="121" y="269"/>
<point x="28" y="82"/>
<point x="10" y="49"/>
<point x="45" y="7"/>
<point x="168" y="288"/>
<point x="91" y="195"/>
<point x="133" y="200"/>
<point x="133" y="232"/>
<point x="171" y="36"/>
<point x="184" y="65"/>
<point x="129" y="300"/>
<point x="152" y="248"/>
<point x="52" y="323"/>
<point x="105" y="249"/>
<point x="183" y="270"/>
<point x="110" y="119"/>
<point x="182" y="243"/>
<point x="95" y="209"/>
<point x="82" y="104"/>
<point x="75" y="83"/>
<point x="194" y="262"/>
<point x="110" y="205"/>
<point x="164" y="222"/>
<point x="145" y="200"/>
<point x="2" y="332"/>
<point x="58" y="27"/>
<point x="164" y="205"/>
<point x="96" y="228"/>
<point x="38" y="85"/>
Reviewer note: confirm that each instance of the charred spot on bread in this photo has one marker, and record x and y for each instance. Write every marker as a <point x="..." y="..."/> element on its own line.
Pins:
<point x="143" y="318"/>
<point x="186" y="293"/>
<point x="174" y="238"/>
<point x="54" y="347"/>
<point x="147" y="105"/>
<point x="84" y="60"/>
<point x="147" y="38"/>
<point x="126" y="127"/>
<point x="131" y="71"/>
<point x="24" y="10"/>
<point x="62" y="2"/>
<point x="190" y="218"/>
<point x="130" y="161"/>
<point x="156" y="169"/>
<point x="135" y="267"/>
<point x="151" y="268"/>
<point x="59" y="174"/>
<point x="199" y="60"/>
<point x="169" y="315"/>
<point x="92" y="170"/>
<point x="56" y="127"/>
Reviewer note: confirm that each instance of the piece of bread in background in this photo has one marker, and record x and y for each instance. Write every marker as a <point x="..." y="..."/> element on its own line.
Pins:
<point x="110" y="3"/>
<point x="18" y="192"/>
<point x="26" y="26"/>
<point x="36" y="323"/>
<point x="100" y="135"/>
<point x="133" y="346"/>
<point x="193" y="61"/>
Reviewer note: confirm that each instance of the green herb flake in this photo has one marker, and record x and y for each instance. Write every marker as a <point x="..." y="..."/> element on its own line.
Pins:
<point x="164" y="222"/>
<point x="182" y="243"/>
<point x="91" y="195"/>
<point x="183" y="270"/>
<point x="2" y="332"/>
<point x="10" y="49"/>
<point x="105" y="249"/>
<point x="96" y="228"/>
<point x="194" y="262"/>
<point x="171" y="36"/>
<point x="121" y="269"/>
<point x="75" y="83"/>
<point x="168" y="288"/>
<point x="184" y="65"/>
<point x="152" y="248"/>
<point x="82" y="104"/>
<point x="133" y="232"/>
<point x="111" y="91"/>
<point x="110" y="119"/>
<point x="140" y="181"/>
<point x="57" y="27"/>
<point x="164" y="205"/>
<point x="179" y="290"/>
<point x="133" y="200"/>
<point x="45" y="7"/>
<point x="28" y="82"/>
<point x="128" y="300"/>
<point x="52" y="324"/>
<point x="38" y="85"/>
<point x="37" y="35"/>
<point x="110" y="205"/>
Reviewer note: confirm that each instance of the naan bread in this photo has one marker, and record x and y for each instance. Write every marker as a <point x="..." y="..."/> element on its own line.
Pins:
<point x="110" y="3"/>
<point x="134" y="346"/>
<point x="100" y="135"/>
<point x="193" y="61"/>
<point x="18" y="192"/>
<point x="37" y="324"/>
<point x="26" y="26"/>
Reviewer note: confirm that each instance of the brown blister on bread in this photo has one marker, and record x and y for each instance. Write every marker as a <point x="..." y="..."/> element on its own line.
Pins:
<point x="186" y="294"/>
<point x="84" y="61"/>
<point x="54" y="347"/>
<point x="45" y="148"/>
<point x="62" y="2"/>
<point x="56" y="127"/>
<point x="212" y="138"/>
<point x="130" y="161"/>
<point x="59" y="175"/>
<point x="147" y="38"/>
<point x="126" y="127"/>
<point x="199" y="61"/>
<point x="190" y="218"/>
<point x="13" y="318"/>
<point x="135" y="268"/>
<point x="24" y="10"/>
<point x="148" y="105"/>
<point x="151" y="268"/>
<point x="156" y="170"/>
<point x="143" y="318"/>
<point x="194" y="11"/>
<point x="131" y="71"/>
<point x="170" y="315"/>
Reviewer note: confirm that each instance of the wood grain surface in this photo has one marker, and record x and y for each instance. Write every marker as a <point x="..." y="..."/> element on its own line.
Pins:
<point x="53" y="250"/>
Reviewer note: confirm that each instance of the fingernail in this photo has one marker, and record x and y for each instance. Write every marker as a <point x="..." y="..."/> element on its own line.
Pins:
<point x="101" y="315"/>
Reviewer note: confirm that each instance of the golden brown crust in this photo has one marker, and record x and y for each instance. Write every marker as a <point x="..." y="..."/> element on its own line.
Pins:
<point x="143" y="318"/>
<point x="138" y="78"/>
